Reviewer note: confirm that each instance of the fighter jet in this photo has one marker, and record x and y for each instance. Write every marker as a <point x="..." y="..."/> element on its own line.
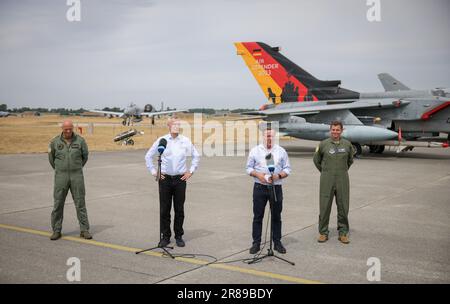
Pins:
<point x="134" y="114"/>
<point x="304" y="106"/>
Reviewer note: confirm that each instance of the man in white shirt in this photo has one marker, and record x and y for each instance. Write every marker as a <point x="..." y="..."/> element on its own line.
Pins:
<point x="257" y="167"/>
<point x="172" y="181"/>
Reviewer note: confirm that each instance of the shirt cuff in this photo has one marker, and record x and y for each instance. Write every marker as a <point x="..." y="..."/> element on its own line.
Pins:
<point x="287" y="171"/>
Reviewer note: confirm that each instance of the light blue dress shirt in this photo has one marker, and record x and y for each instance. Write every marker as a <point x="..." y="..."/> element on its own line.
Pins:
<point x="173" y="159"/>
<point x="257" y="162"/>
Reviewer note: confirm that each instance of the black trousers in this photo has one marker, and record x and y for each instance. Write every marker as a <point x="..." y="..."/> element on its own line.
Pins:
<point x="172" y="188"/>
<point x="262" y="194"/>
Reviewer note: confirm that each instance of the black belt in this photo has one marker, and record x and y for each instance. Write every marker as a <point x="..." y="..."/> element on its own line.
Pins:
<point x="259" y="185"/>
<point x="172" y="176"/>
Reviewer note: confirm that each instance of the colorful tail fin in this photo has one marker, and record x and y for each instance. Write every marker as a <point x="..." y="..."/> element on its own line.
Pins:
<point x="283" y="81"/>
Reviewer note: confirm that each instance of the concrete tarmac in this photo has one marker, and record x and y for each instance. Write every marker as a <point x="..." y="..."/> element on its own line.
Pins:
<point x="399" y="214"/>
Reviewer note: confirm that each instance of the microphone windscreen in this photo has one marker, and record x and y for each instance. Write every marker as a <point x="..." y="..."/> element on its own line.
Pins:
<point x="162" y="145"/>
<point x="163" y="142"/>
<point x="270" y="163"/>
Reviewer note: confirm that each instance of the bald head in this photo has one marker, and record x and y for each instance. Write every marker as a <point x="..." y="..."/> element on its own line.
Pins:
<point x="67" y="123"/>
<point x="67" y="128"/>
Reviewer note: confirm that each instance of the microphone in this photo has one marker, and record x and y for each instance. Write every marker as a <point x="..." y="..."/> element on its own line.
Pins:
<point x="270" y="163"/>
<point x="162" y="145"/>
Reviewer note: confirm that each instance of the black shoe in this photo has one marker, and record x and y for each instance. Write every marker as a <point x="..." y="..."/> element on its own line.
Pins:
<point x="280" y="248"/>
<point x="255" y="249"/>
<point x="163" y="243"/>
<point x="180" y="242"/>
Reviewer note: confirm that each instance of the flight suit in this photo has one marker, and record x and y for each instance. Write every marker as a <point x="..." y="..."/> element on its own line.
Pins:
<point x="68" y="160"/>
<point x="333" y="159"/>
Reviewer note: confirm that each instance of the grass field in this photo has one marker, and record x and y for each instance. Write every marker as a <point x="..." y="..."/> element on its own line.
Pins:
<point x="31" y="134"/>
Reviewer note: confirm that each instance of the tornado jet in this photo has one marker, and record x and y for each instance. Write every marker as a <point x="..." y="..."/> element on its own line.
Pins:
<point x="304" y="106"/>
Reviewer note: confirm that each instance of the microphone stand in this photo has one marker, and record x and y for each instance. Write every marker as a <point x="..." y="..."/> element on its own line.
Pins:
<point x="158" y="176"/>
<point x="272" y="201"/>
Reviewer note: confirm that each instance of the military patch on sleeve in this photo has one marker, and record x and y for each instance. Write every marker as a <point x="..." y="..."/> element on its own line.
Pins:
<point x="317" y="149"/>
<point x="49" y="149"/>
<point x="60" y="146"/>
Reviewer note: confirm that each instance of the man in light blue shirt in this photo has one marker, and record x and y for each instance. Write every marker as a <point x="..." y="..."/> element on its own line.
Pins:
<point x="172" y="181"/>
<point x="257" y="167"/>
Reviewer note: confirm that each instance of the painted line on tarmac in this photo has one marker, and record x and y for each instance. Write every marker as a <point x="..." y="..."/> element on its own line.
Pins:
<point x="254" y="272"/>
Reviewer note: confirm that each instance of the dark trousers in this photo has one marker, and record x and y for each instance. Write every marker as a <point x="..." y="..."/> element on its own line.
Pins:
<point x="262" y="194"/>
<point x="172" y="188"/>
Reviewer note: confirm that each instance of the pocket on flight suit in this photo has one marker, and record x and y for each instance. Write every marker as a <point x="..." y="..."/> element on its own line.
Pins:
<point x="75" y="156"/>
<point x="60" y="185"/>
<point x="77" y="185"/>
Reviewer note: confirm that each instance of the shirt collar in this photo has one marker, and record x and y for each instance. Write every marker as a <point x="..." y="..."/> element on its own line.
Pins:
<point x="263" y="147"/>
<point x="169" y="136"/>
<point x="72" y="138"/>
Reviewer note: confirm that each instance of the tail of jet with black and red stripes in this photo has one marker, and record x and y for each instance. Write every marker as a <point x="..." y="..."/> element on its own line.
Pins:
<point x="283" y="81"/>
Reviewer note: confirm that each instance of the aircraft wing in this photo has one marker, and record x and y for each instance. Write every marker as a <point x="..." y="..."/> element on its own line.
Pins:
<point x="310" y="109"/>
<point x="110" y="113"/>
<point x="150" y="114"/>
<point x="391" y="84"/>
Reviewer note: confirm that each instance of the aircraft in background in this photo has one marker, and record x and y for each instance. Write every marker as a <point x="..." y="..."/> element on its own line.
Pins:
<point x="6" y="114"/>
<point x="134" y="114"/>
<point x="304" y="106"/>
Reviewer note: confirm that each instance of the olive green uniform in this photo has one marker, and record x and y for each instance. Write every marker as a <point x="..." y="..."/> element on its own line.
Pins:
<point x="333" y="159"/>
<point x="68" y="160"/>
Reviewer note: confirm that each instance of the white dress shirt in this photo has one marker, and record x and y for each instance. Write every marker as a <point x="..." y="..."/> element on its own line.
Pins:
<point x="257" y="162"/>
<point x="173" y="159"/>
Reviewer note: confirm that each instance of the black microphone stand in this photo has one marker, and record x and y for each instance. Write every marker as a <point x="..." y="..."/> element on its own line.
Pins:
<point x="164" y="248"/>
<point x="272" y="201"/>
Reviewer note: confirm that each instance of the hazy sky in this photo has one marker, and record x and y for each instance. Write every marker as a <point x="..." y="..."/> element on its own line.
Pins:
<point x="182" y="52"/>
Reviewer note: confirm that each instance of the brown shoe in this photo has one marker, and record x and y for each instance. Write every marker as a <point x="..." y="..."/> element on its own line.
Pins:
<point x="86" y="235"/>
<point x="322" y="238"/>
<point x="55" y="236"/>
<point x="344" y="239"/>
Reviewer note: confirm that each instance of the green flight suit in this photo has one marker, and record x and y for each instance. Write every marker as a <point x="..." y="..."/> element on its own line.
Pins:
<point x="333" y="159"/>
<point x="68" y="160"/>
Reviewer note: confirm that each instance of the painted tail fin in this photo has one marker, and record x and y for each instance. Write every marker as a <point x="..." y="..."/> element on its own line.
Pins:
<point x="282" y="80"/>
<point x="391" y="84"/>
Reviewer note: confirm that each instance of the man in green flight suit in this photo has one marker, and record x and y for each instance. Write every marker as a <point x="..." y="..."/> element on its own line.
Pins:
<point x="67" y="154"/>
<point x="333" y="158"/>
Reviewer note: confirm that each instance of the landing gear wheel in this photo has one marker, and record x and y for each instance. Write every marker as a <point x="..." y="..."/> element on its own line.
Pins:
<point x="379" y="149"/>
<point x="130" y="142"/>
<point x="358" y="149"/>
<point x="376" y="149"/>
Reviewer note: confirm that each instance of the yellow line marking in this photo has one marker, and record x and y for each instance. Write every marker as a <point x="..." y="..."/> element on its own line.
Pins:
<point x="157" y="254"/>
